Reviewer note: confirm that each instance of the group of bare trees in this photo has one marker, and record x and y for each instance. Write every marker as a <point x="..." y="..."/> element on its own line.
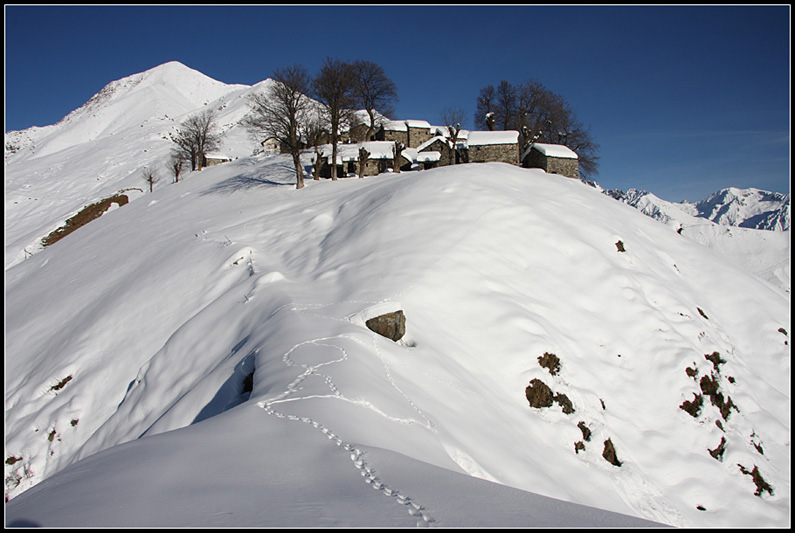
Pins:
<point x="299" y="110"/>
<point x="539" y="115"/>
<point x="194" y="139"/>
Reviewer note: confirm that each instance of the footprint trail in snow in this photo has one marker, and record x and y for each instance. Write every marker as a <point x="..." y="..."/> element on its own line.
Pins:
<point x="356" y="455"/>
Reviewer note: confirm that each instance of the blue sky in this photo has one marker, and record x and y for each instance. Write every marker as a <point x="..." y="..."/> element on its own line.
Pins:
<point x="682" y="100"/>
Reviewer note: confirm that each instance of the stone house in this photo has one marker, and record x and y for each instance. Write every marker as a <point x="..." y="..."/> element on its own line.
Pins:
<point x="412" y="133"/>
<point x="429" y="159"/>
<point x="553" y="159"/>
<point x="500" y="146"/>
<point x="419" y="132"/>
<point x="442" y="146"/>
<point x="271" y="145"/>
<point x="381" y="159"/>
<point x="393" y="130"/>
<point x="215" y="158"/>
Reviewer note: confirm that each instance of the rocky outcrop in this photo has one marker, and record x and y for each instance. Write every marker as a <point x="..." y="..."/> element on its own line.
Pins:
<point x="390" y="325"/>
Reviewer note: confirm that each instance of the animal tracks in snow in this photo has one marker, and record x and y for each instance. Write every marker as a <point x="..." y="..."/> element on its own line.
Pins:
<point x="357" y="457"/>
<point x="316" y="358"/>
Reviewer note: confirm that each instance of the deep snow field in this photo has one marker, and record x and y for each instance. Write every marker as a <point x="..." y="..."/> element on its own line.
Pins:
<point x="199" y="356"/>
<point x="158" y="310"/>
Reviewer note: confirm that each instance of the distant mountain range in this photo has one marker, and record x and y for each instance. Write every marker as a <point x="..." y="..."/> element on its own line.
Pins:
<point x="744" y="208"/>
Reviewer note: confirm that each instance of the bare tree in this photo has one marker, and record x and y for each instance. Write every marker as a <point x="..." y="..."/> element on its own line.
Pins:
<point x="333" y="87"/>
<point x="452" y="119"/>
<point x="373" y="90"/>
<point x="364" y="155"/>
<point x="397" y="149"/>
<point x="175" y="164"/>
<point x="531" y="99"/>
<point x="150" y="177"/>
<point x="505" y="111"/>
<point x="484" y="115"/>
<point x="281" y="112"/>
<point x="539" y="115"/>
<point x="196" y="137"/>
<point x="315" y="134"/>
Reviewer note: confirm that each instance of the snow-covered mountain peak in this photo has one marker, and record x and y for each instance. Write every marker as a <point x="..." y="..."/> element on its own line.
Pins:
<point x="749" y="207"/>
<point x="164" y="93"/>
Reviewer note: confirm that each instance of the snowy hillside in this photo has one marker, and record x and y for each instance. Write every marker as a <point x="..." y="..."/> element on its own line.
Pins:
<point x="100" y="149"/>
<point x="738" y="229"/>
<point x="199" y="357"/>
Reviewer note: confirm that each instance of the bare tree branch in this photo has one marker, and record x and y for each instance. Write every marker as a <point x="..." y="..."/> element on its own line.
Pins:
<point x="333" y="87"/>
<point x="281" y="113"/>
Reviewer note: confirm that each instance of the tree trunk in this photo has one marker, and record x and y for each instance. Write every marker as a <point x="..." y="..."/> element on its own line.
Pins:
<point x="334" y="160"/>
<point x="363" y="156"/>
<point x="371" y="127"/>
<point x="299" y="171"/>
<point x="316" y="170"/>
<point x="397" y="150"/>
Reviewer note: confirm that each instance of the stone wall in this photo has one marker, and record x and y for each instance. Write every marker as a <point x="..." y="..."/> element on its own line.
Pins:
<point x="565" y="167"/>
<point x="568" y="167"/>
<point x="417" y="136"/>
<point x="373" y="167"/>
<point x="505" y="153"/>
<point x="392" y="135"/>
<point x="447" y="154"/>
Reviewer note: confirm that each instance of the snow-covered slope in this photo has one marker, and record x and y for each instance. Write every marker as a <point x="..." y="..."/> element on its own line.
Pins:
<point x="235" y="271"/>
<point x="198" y="357"/>
<point x="101" y="148"/>
<point x="734" y="230"/>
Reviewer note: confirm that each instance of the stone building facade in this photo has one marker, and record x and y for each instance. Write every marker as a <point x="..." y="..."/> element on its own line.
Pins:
<point x="553" y="159"/>
<point x="412" y="133"/>
<point x="394" y="130"/>
<point x="419" y="132"/>
<point x="381" y="159"/>
<point x="499" y="146"/>
<point x="215" y="158"/>
<point x="447" y="156"/>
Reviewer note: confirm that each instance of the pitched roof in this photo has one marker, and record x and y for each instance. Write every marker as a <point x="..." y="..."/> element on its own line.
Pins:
<point x="478" y="138"/>
<point x="553" y="150"/>
<point x="404" y="125"/>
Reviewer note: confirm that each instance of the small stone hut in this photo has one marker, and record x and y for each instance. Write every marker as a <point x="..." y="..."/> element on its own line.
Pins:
<point x="553" y="159"/>
<point x="393" y="130"/>
<point x="441" y="146"/>
<point x="215" y="158"/>
<point x="419" y="131"/>
<point x="500" y="146"/>
<point x="271" y="145"/>
<point x="380" y="159"/>
<point x="412" y="133"/>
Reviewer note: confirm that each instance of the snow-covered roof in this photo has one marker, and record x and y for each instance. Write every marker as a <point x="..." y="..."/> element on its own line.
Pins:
<point x="555" y="150"/>
<point x="350" y="152"/>
<point x="404" y="125"/>
<point x="477" y="138"/>
<point x="418" y="124"/>
<point x="395" y="125"/>
<point x="430" y="141"/>
<point x="217" y="155"/>
<point x="427" y="157"/>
